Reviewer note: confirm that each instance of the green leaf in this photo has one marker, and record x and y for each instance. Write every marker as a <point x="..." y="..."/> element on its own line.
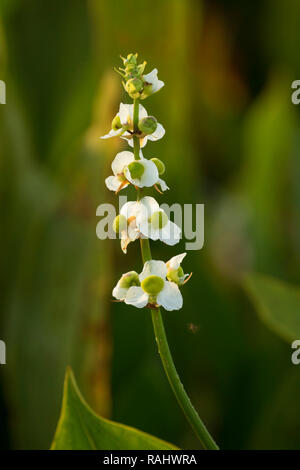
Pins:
<point x="277" y="303"/>
<point x="79" y="428"/>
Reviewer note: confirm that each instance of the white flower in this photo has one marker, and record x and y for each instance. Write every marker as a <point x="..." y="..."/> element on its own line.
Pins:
<point x="146" y="218"/>
<point x="154" y="289"/>
<point x="153" y="222"/>
<point x="123" y="125"/>
<point x="140" y="173"/>
<point x="144" y="172"/>
<point x="174" y="270"/>
<point x="118" y="180"/>
<point x="131" y="232"/>
<point x="152" y="84"/>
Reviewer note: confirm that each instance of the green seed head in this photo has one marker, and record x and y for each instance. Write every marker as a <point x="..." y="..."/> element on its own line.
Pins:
<point x="116" y="123"/>
<point x="129" y="279"/>
<point x="120" y="223"/>
<point x="133" y="87"/>
<point x="175" y="275"/>
<point x="148" y="125"/>
<point x="158" y="220"/>
<point x="160" y="165"/>
<point x="136" y="170"/>
<point x="152" y="285"/>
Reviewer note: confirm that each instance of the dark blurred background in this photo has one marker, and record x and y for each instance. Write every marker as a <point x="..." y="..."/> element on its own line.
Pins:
<point x="232" y="142"/>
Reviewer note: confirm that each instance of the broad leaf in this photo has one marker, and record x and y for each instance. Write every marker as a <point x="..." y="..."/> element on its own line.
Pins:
<point x="277" y="303"/>
<point x="80" y="428"/>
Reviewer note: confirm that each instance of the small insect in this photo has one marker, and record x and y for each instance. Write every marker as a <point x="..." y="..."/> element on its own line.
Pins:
<point x="193" y="328"/>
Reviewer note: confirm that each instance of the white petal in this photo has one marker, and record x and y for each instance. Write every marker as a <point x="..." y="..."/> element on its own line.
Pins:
<point x="157" y="86"/>
<point x="137" y="297"/>
<point x="121" y="160"/>
<point x="154" y="268"/>
<point x="148" y="231"/>
<point x="113" y="183"/>
<point x="142" y="112"/>
<point x="170" y="233"/>
<point x="150" y="204"/>
<point x="130" y="209"/>
<point x="111" y="133"/>
<point x="176" y="261"/>
<point x="119" y="292"/>
<point x="170" y="297"/>
<point x="163" y="184"/>
<point x="148" y="178"/>
<point x="152" y="78"/>
<point x="158" y="133"/>
<point x="125" y="113"/>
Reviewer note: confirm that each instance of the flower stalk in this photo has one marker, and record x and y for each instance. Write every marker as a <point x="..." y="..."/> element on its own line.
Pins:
<point x="158" y="284"/>
<point x="165" y="354"/>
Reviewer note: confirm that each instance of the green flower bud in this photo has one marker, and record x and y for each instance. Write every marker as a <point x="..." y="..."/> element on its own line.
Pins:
<point x="147" y="125"/>
<point x="129" y="279"/>
<point x="130" y="59"/>
<point x="133" y="87"/>
<point x="141" y="68"/>
<point x="152" y="285"/>
<point x="116" y="123"/>
<point x="120" y="223"/>
<point x="176" y="275"/>
<point x="160" y="165"/>
<point x="136" y="169"/>
<point x="158" y="220"/>
<point x="147" y="91"/>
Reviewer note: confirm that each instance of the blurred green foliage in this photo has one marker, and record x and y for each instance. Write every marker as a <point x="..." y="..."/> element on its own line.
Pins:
<point x="232" y="142"/>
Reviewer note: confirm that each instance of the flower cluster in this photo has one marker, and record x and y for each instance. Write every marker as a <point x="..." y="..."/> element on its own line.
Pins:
<point x="158" y="283"/>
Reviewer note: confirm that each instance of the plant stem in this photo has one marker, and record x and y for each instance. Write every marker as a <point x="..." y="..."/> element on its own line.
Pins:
<point x="136" y="140"/>
<point x="161" y="339"/>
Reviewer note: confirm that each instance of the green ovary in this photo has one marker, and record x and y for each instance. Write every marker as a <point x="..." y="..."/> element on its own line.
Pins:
<point x="152" y="285"/>
<point x="116" y="123"/>
<point x="174" y="275"/>
<point x="136" y="170"/>
<point x="159" y="165"/>
<point x="120" y="223"/>
<point x="158" y="220"/>
<point x="129" y="279"/>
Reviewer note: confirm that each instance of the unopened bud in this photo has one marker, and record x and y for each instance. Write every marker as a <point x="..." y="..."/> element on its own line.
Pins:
<point x="120" y="223"/>
<point x="130" y="59"/>
<point x="148" y="125"/>
<point x="133" y="87"/>
<point x="159" y="165"/>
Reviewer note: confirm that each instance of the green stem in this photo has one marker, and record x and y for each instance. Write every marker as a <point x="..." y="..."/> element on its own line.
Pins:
<point x="136" y="140"/>
<point x="161" y="339"/>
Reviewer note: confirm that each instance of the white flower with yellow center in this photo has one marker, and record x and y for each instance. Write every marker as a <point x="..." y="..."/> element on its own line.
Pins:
<point x="153" y="222"/>
<point x="145" y="218"/>
<point x="125" y="224"/>
<point x="140" y="173"/>
<point x="122" y="125"/>
<point x="150" y="287"/>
